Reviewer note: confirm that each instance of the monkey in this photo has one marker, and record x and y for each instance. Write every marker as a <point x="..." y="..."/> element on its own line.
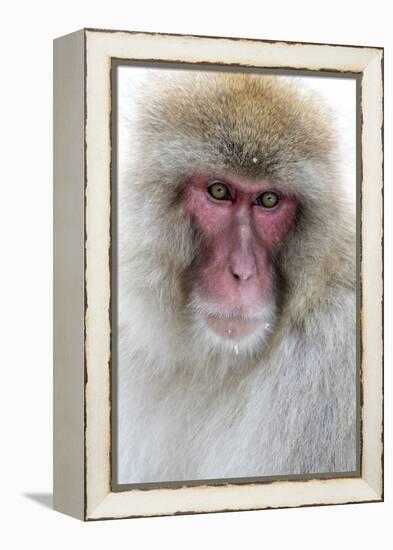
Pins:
<point x="236" y="284"/>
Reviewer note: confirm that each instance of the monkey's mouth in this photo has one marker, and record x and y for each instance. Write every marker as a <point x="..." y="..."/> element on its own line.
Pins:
<point x="232" y="328"/>
<point x="237" y="323"/>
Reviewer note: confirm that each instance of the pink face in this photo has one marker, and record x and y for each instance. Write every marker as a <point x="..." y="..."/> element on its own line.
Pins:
<point x="241" y="224"/>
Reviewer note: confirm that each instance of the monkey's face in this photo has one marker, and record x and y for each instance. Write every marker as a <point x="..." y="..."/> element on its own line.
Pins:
<point x="240" y="157"/>
<point x="241" y="225"/>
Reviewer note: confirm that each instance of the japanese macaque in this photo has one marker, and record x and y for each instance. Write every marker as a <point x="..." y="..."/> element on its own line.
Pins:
<point x="236" y="285"/>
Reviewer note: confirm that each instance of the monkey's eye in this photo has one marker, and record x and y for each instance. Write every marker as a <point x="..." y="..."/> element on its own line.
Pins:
<point x="269" y="199"/>
<point x="219" y="191"/>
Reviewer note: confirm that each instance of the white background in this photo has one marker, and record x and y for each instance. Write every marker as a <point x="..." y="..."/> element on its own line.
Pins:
<point x="26" y="303"/>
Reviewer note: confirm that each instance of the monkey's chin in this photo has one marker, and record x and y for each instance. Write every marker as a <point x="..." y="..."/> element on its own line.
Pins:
<point x="237" y="330"/>
<point x="233" y="328"/>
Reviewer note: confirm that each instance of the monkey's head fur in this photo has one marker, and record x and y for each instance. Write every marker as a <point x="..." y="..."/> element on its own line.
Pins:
<point x="237" y="126"/>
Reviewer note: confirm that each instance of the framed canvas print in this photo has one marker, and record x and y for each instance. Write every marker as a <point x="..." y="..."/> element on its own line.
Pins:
<point x="218" y="274"/>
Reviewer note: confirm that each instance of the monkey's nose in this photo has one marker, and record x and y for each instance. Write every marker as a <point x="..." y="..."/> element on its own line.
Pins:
<point x="242" y="273"/>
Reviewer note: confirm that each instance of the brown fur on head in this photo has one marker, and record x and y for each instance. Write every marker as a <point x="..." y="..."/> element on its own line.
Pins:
<point x="235" y="118"/>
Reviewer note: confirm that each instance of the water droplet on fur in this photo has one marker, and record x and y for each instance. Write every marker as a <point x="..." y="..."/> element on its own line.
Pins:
<point x="236" y="349"/>
<point x="229" y="331"/>
<point x="254" y="160"/>
<point x="267" y="325"/>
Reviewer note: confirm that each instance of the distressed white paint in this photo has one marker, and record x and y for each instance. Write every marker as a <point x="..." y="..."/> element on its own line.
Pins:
<point x="101" y="46"/>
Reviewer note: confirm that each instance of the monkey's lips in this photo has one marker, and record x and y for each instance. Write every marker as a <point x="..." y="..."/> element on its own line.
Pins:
<point x="232" y="328"/>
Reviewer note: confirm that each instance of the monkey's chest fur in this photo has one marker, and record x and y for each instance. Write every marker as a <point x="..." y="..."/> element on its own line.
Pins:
<point x="295" y="414"/>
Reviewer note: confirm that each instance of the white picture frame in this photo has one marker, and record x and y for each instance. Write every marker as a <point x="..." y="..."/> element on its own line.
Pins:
<point x="83" y="64"/>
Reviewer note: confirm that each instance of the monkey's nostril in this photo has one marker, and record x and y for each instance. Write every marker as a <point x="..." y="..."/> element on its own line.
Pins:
<point x="241" y="276"/>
